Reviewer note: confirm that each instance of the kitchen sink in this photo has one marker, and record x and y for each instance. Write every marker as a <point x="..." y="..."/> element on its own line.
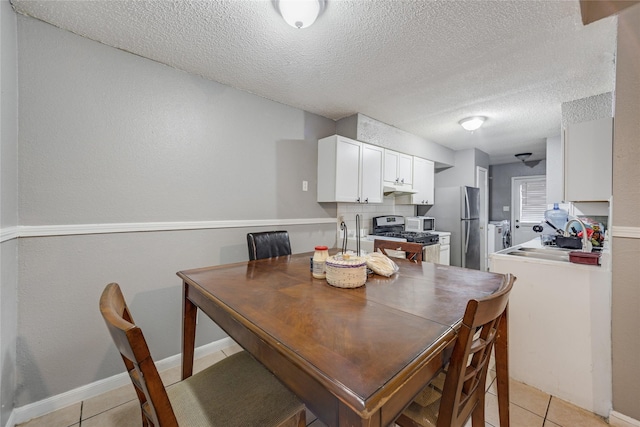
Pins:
<point x="548" y="250"/>
<point x="552" y="254"/>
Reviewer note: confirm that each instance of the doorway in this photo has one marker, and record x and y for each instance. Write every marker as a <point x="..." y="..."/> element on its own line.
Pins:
<point x="482" y="182"/>
<point x="528" y="203"/>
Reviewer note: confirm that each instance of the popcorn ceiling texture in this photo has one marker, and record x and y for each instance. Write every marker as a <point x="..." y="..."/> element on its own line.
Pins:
<point x="420" y="66"/>
<point x="587" y="109"/>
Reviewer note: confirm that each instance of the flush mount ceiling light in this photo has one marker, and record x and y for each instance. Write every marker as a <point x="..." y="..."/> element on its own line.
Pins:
<point x="523" y="156"/>
<point x="300" y="13"/>
<point x="472" y="123"/>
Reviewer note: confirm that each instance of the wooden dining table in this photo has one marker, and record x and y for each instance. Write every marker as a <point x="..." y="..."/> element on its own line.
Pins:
<point x="355" y="357"/>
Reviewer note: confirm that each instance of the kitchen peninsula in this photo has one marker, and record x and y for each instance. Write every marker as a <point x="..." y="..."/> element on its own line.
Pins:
<point x="560" y="325"/>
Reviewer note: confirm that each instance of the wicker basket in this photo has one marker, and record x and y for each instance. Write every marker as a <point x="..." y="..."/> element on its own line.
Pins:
<point x="345" y="272"/>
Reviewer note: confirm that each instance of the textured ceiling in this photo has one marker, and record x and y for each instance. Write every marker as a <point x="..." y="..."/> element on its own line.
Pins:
<point x="418" y="65"/>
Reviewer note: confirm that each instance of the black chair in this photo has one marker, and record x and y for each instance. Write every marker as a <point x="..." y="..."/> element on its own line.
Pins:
<point x="268" y="244"/>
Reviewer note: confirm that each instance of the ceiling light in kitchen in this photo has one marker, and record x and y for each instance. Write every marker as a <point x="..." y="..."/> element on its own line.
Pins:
<point x="523" y="156"/>
<point x="300" y="13"/>
<point x="472" y="123"/>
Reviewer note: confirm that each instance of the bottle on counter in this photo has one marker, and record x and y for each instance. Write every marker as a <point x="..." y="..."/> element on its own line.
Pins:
<point x="319" y="257"/>
<point x="556" y="216"/>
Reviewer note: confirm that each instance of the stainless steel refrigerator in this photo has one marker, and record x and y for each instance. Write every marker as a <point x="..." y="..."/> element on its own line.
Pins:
<point x="457" y="209"/>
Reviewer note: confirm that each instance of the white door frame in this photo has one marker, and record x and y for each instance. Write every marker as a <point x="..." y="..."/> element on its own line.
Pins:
<point x="482" y="182"/>
<point x="521" y="232"/>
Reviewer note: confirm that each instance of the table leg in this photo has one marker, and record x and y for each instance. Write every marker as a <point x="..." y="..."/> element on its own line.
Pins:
<point x="502" y="368"/>
<point x="189" y="312"/>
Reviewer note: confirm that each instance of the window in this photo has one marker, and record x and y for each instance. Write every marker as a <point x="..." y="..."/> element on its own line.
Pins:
<point x="533" y="200"/>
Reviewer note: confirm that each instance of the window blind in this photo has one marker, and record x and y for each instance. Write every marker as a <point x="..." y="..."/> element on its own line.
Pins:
<point x="533" y="201"/>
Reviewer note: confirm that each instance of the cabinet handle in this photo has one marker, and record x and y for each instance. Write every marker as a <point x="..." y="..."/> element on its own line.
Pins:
<point x="358" y="200"/>
<point x="403" y="180"/>
<point x="366" y="200"/>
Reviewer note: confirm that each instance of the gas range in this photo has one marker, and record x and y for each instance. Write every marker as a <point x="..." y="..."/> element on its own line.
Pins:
<point x="391" y="227"/>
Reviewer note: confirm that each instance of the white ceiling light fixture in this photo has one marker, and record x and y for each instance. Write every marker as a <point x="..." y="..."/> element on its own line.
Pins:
<point x="472" y="123"/>
<point x="300" y="13"/>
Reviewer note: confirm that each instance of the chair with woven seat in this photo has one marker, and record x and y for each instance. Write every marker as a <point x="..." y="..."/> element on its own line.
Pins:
<point x="459" y="392"/>
<point x="268" y="244"/>
<point x="412" y="251"/>
<point x="237" y="391"/>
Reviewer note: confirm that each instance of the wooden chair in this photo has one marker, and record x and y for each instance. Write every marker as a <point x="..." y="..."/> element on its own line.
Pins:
<point x="457" y="394"/>
<point x="413" y="251"/>
<point x="237" y="391"/>
<point x="268" y="244"/>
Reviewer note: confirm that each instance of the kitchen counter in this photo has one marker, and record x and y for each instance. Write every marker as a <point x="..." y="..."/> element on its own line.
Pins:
<point x="560" y="326"/>
<point x="605" y="257"/>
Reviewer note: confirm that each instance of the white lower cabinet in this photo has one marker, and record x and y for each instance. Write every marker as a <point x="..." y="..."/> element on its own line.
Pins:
<point x="349" y="171"/>
<point x="445" y="247"/>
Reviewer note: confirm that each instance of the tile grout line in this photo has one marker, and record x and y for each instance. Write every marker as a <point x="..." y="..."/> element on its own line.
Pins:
<point x="544" y="421"/>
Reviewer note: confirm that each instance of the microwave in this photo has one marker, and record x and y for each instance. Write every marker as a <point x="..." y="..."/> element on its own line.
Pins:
<point x="419" y="223"/>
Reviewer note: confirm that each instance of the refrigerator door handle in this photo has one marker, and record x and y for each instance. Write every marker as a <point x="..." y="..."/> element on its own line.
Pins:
<point x="467" y="232"/>
<point x="467" y="207"/>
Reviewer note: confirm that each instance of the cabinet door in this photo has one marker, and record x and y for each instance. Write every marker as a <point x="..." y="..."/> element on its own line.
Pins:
<point x="423" y="181"/>
<point x="405" y="168"/>
<point x="444" y="255"/>
<point x="391" y="165"/>
<point x="348" y="157"/>
<point x="588" y="161"/>
<point x="371" y="178"/>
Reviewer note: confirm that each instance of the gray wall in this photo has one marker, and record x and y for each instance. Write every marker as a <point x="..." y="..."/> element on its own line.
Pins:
<point x="8" y="208"/>
<point x="626" y="205"/>
<point x="500" y="185"/>
<point x="109" y="137"/>
<point x="464" y="170"/>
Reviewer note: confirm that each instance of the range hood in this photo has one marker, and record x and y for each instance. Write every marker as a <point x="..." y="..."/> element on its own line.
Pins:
<point x="390" y="189"/>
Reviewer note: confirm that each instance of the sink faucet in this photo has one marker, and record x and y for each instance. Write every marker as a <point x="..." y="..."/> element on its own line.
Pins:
<point x="586" y="243"/>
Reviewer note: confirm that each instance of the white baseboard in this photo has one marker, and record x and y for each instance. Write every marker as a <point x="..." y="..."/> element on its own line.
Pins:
<point x="11" y="422"/>
<point x="53" y="403"/>
<point x="620" y="420"/>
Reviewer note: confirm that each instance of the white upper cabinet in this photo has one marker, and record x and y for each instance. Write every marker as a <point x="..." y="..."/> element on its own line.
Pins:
<point x="398" y="167"/>
<point x="371" y="176"/>
<point x="423" y="184"/>
<point x="349" y="171"/>
<point x="588" y="161"/>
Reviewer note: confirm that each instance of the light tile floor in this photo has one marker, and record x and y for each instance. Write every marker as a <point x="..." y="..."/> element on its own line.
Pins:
<point x="119" y="408"/>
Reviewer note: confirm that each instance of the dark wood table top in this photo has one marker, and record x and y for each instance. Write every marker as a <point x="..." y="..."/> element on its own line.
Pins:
<point x="360" y="344"/>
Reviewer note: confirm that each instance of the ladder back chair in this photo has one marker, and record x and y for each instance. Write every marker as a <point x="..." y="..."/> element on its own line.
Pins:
<point x="237" y="391"/>
<point x="412" y="251"/>
<point x="459" y="392"/>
